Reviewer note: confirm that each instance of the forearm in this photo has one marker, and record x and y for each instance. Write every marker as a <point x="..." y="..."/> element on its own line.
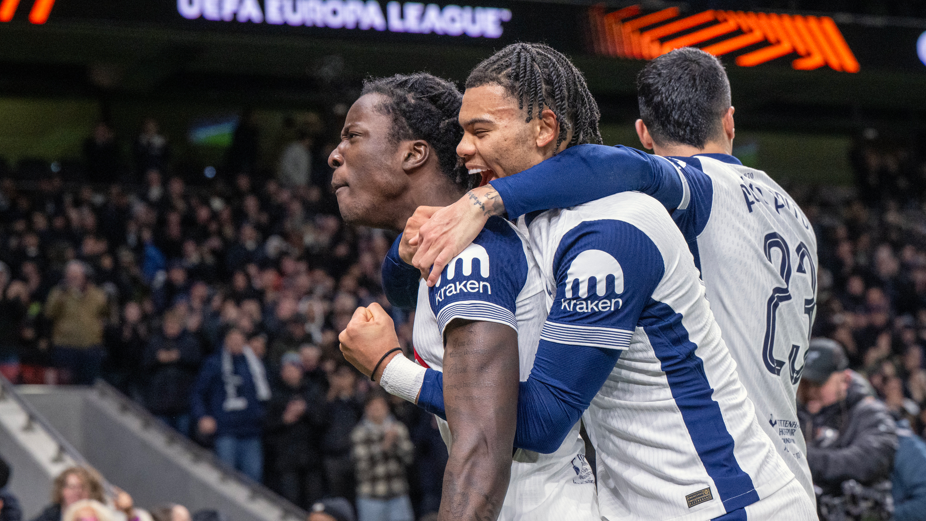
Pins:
<point x="562" y="383"/>
<point x="585" y="173"/>
<point x="481" y="386"/>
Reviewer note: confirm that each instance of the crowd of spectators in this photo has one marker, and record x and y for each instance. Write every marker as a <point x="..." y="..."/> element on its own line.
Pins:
<point x="216" y="307"/>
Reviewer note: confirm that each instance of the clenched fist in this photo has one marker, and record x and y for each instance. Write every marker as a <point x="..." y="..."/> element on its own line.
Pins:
<point x="368" y="336"/>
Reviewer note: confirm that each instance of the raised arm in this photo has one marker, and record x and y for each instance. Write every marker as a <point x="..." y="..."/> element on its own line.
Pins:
<point x="481" y="365"/>
<point x="576" y="175"/>
<point x="481" y="396"/>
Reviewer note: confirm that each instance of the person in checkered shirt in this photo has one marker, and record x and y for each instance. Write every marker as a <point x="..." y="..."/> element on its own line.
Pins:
<point x="381" y="451"/>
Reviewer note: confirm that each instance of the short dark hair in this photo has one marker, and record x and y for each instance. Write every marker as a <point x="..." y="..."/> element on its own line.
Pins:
<point x="683" y="96"/>
<point x="423" y="106"/>
<point x="537" y="75"/>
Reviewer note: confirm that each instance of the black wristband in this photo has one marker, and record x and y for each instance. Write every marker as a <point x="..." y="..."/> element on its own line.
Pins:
<point x="393" y="350"/>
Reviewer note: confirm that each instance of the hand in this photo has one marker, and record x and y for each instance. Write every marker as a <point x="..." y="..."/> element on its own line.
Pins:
<point x="207" y="425"/>
<point x="368" y="336"/>
<point x="406" y="249"/>
<point x="294" y="410"/>
<point x="123" y="502"/>
<point x="450" y="230"/>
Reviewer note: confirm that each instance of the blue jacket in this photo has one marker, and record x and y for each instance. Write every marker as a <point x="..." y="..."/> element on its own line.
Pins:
<point x="209" y="397"/>
<point x="909" y="476"/>
<point x="11" y="510"/>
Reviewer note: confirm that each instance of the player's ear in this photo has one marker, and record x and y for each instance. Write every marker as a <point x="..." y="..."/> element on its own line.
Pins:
<point x="547" y="128"/>
<point x="416" y="154"/>
<point x="643" y="133"/>
<point x="729" y="128"/>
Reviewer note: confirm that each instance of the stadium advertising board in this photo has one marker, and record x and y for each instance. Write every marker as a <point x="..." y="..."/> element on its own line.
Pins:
<point x="747" y="39"/>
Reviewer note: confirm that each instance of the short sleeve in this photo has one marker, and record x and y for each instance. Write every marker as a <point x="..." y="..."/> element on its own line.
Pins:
<point x="606" y="272"/>
<point x="484" y="281"/>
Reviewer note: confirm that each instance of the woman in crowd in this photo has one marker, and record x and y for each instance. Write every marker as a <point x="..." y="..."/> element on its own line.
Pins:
<point x="72" y="485"/>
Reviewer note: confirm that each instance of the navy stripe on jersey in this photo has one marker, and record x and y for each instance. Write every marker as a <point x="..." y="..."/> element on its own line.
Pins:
<point x="693" y="219"/>
<point x="570" y="334"/>
<point x="478" y="311"/>
<point x="737" y="515"/>
<point x="694" y="396"/>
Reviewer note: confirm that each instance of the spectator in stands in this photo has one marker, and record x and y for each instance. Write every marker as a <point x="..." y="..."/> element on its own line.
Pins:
<point x="10" y="509"/>
<point x="295" y="168"/>
<point x="342" y="413"/>
<point x="295" y="420"/>
<point x="78" y="309"/>
<point x="171" y="512"/>
<point x="228" y="403"/>
<point x="14" y="300"/>
<point x="332" y="509"/>
<point x="72" y="485"/>
<point x="171" y="362"/>
<point x="381" y="451"/>
<point x="151" y="149"/>
<point x="88" y="510"/>
<point x="909" y="477"/>
<point x="851" y="436"/>
<point x="102" y="159"/>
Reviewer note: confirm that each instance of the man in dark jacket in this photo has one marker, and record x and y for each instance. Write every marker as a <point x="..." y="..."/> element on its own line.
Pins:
<point x="295" y="421"/>
<point x="343" y="412"/>
<point x="851" y="436"/>
<point x="228" y="403"/>
<point x="9" y="505"/>
<point x="171" y="360"/>
<point x="909" y="476"/>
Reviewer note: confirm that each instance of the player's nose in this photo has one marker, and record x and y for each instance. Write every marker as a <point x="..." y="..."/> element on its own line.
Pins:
<point x="336" y="158"/>
<point x="466" y="148"/>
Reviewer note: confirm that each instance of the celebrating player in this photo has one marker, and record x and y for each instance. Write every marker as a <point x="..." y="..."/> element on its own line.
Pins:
<point x="752" y="243"/>
<point x="630" y="336"/>
<point x="480" y="326"/>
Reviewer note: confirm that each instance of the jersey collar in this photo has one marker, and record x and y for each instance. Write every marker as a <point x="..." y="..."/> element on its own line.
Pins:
<point x="725" y="158"/>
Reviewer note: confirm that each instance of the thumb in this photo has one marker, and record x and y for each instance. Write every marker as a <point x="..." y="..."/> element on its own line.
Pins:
<point x="361" y="315"/>
<point x="377" y="313"/>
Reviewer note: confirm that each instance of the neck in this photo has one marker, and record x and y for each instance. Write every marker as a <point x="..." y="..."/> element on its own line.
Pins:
<point x="424" y="190"/>
<point x="712" y="147"/>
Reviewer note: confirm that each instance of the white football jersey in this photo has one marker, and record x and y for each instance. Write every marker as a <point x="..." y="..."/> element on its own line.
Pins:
<point x="496" y="279"/>
<point x="675" y="433"/>
<point x="757" y="253"/>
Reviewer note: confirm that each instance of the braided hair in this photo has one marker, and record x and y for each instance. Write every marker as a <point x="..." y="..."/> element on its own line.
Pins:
<point x="539" y="76"/>
<point x="425" y="107"/>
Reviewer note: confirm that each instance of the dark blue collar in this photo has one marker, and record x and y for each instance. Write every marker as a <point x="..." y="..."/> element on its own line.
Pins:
<point x="725" y="158"/>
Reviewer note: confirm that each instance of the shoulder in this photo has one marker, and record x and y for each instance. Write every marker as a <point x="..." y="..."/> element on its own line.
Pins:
<point x="498" y="252"/>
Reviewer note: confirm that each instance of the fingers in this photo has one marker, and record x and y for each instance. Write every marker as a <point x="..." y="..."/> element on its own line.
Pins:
<point x="361" y="315"/>
<point x="378" y="314"/>
<point x="439" y="263"/>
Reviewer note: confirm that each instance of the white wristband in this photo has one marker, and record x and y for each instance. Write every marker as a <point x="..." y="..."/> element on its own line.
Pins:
<point x="403" y="378"/>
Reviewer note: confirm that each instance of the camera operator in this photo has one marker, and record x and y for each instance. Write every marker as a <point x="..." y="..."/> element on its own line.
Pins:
<point x="851" y="437"/>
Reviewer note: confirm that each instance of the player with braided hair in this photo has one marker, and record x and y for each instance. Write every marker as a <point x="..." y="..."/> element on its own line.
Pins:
<point x="480" y="328"/>
<point x="538" y="76"/>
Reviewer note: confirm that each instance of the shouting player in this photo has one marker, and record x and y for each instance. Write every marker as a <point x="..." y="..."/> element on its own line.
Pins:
<point x="630" y="336"/>
<point x="479" y="325"/>
<point x="755" y="249"/>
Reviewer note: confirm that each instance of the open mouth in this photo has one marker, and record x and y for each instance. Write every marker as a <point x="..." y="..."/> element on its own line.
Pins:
<point x="487" y="174"/>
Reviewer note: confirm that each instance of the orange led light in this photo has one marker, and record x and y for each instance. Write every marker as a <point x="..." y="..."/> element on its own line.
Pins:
<point x="38" y="15"/>
<point x="816" y="40"/>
